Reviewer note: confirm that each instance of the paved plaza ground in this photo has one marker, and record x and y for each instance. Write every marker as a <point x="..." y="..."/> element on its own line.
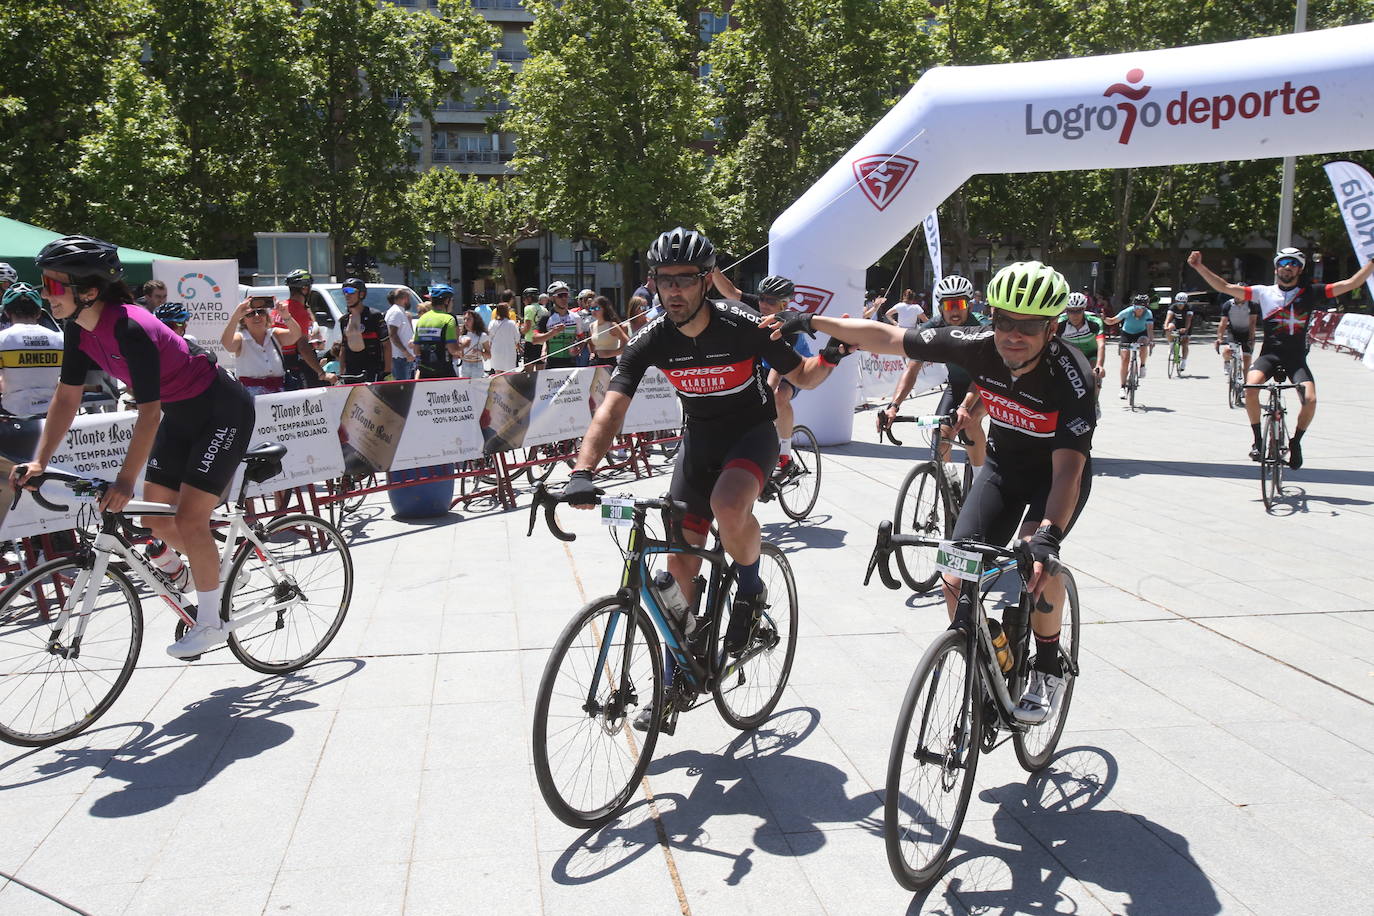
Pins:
<point x="1219" y="756"/>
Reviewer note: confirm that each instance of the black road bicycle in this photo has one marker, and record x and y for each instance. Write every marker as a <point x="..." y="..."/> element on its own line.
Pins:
<point x="623" y="651"/>
<point x="1273" y="440"/>
<point x="797" y="486"/>
<point x="959" y="703"/>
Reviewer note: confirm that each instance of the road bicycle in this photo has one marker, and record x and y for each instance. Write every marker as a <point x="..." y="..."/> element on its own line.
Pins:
<point x="71" y="628"/>
<point x="1235" y="377"/>
<point x="1273" y="440"/>
<point x="624" y="651"/>
<point x="960" y="702"/>
<point x="1176" y="355"/>
<point x="928" y="501"/>
<point x="797" y="486"/>
<point x="1133" y="371"/>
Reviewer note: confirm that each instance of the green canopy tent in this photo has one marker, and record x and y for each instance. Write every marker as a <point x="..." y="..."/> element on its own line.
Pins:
<point x="20" y="244"/>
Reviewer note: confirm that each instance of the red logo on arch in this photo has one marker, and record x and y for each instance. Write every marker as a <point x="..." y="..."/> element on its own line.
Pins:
<point x="882" y="177"/>
<point x="810" y="299"/>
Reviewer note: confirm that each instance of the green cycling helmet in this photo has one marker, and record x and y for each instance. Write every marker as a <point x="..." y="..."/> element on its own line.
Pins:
<point x="1029" y="288"/>
<point x="21" y="294"/>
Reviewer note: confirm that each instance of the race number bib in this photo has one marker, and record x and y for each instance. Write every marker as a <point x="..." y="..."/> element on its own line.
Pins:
<point x="617" y="512"/>
<point x="962" y="564"/>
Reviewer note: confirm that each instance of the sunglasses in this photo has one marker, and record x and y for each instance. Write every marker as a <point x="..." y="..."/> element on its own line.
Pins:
<point x="679" y="281"/>
<point x="1288" y="262"/>
<point x="53" y="287"/>
<point x="593" y="308"/>
<point x="1028" y="327"/>
<point x="560" y="295"/>
<point x="958" y="304"/>
<point x="257" y="313"/>
<point x="350" y="289"/>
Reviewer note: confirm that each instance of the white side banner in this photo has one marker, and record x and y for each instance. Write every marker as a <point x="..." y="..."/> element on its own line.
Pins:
<point x="1354" y="188"/>
<point x="210" y="289"/>
<point x="932" y="231"/>
<point x="879" y="374"/>
<point x="1354" y="332"/>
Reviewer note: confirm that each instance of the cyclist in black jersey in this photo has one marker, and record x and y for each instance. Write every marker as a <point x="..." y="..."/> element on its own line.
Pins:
<point x="1286" y="309"/>
<point x="1038" y="393"/>
<point x="711" y="352"/>
<point x="1237" y="329"/>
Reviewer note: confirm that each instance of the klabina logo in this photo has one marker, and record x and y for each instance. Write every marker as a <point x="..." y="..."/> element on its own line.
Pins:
<point x="882" y="177"/>
<point x="810" y="299"/>
<point x="1184" y="108"/>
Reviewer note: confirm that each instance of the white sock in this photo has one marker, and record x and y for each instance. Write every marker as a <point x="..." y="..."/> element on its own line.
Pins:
<point x="784" y="447"/>
<point x="207" y="607"/>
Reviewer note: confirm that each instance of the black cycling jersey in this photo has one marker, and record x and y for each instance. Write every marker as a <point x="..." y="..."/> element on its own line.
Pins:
<point x="1048" y="408"/>
<point x="718" y="373"/>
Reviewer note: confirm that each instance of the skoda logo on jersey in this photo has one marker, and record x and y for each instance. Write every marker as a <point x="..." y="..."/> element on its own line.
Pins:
<point x="882" y="177"/>
<point x="1071" y="373"/>
<point x="810" y="299"/>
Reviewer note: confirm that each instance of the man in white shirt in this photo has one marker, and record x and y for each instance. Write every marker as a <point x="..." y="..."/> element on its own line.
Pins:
<point x="30" y="355"/>
<point x="402" y="334"/>
<point x="907" y="313"/>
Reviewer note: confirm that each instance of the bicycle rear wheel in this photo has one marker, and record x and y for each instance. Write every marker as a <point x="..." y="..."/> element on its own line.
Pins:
<point x="51" y="689"/>
<point x="921" y="510"/>
<point x="931" y="764"/>
<point x="285" y="610"/>
<point x="1036" y="745"/>
<point x="749" y="687"/>
<point x="587" y="760"/>
<point x="798" y="494"/>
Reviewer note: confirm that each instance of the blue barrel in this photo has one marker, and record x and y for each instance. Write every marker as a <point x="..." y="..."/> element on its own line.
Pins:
<point x="421" y="500"/>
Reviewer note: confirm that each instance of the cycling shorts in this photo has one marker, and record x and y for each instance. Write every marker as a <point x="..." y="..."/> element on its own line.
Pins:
<point x="202" y="440"/>
<point x="954" y="395"/>
<point x="997" y="502"/>
<point x="1241" y="339"/>
<point x="706" y="451"/>
<point x="1278" y="365"/>
<point x="1129" y="338"/>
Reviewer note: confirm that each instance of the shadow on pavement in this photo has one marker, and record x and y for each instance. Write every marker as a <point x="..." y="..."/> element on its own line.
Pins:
<point x="1241" y="470"/>
<point x="1050" y="829"/>
<point x="233" y="723"/>
<point x="789" y="537"/>
<point x="749" y="776"/>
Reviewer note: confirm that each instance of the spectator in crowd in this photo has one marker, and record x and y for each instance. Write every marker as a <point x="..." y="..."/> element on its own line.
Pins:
<point x="253" y="337"/>
<point x="558" y="331"/>
<point x="505" y="337"/>
<point x="475" y="346"/>
<point x="606" y="337"/>
<point x="154" y="295"/>
<point x="298" y="358"/>
<point x="978" y="305"/>
<point x="30" y="354"/>
<point x="402" y="334"/>
<point x="332" y="363"/>
<point x="638" y="309"/>
<point x="530" y="316"/>
<point x="907" y="313"/>
<point x="582" y="310"/>
<point x="647" y="291"/>
<point x="365" y="359"/>
<point x="873" y="308"/>
<point x="436" y="338"/>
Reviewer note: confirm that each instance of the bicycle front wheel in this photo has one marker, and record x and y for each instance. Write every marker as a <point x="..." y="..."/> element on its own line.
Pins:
<point x="587" y="759"/>
<point x="931" y="765"/>
<point x="1036" y="745"/>
<point x="798" y="494"/>
<point x="748" y="688"/>
<point x="1133" y="381"/>
<point x="285" y="604"/>
<point x="1173" y="361"/>
<point x="53" y="686"/>
<point x="921" y="510"/>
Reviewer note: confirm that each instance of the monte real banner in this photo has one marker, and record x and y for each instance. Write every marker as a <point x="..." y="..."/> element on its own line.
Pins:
<point x="363" y="429"/>
<point x="1355" y="196"/>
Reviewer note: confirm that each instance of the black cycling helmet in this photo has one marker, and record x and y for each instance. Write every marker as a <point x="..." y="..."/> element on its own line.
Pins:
<point x="682" y="247"/>
<point x="359" y="284"/>
<point x="82" y="258"/>
<point x="299" y="278"/>
<point x="777" y="287"/>
<point x="531" y="292"/>
<point x="172" y="313"/>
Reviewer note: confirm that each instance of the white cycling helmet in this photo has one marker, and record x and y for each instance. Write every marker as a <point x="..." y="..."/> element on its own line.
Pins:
<point x="1293" y="253"/>
<point x="1077" y="301"/>
<point x="8" y="274"/>
<point x="953" y="287"/>
<point x="1181" y="299"/>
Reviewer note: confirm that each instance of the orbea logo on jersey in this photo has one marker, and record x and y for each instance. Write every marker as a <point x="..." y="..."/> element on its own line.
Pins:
<point x="882" y="177"/>
<point x="810" y="299"/>
<point x="711" y="379"/>
<point x="1134" y="111"/>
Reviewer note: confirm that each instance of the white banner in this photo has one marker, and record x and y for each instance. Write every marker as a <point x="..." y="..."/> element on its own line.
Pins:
<point x="1354" y="332"/>
<point x="444" y="423"/>
<point x="879" y="374"/>
<point x="210" y="290"/>
<point x="932" y="231"/>
<point x="1354" y="188"/>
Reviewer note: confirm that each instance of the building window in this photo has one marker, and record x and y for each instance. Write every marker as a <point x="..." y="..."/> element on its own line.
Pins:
<point x="439" y="252"/>
<point x="709" y="25"/>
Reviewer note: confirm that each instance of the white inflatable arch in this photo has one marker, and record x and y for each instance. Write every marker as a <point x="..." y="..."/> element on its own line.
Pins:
<point x="1289" y="95"/>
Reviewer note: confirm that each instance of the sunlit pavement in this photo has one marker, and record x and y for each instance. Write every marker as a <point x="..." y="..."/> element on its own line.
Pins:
<point x="1218" y="758"/>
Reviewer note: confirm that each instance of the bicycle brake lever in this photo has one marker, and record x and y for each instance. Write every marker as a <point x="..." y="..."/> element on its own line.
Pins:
<point x="539" y="494"/>
<point x="552" y="521"/>
<point x="879" y="559"/>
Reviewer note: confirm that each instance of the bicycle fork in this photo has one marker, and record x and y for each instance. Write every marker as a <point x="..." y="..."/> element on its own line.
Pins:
<point x="91" y="572"/>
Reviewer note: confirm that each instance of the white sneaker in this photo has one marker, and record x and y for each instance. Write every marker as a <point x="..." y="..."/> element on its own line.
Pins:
<point x="197" y="641"/>
<point x="1041" y="698"/>
<point x="1142" y="371"/>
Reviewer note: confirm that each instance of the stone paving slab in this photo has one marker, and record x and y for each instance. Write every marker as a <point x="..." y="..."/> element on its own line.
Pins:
<point x="1217" y="759"/>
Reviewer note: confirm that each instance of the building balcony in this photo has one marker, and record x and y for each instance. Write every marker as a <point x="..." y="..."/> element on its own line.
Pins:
<point x="471" y="156"/>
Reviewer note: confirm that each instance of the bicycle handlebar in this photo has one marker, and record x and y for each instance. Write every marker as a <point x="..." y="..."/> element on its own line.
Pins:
<point x="1274" y="385"/>
<point x="549" y="502"/>
<point x="673" y="512"/>
<point x="887" y="542"/>
<point x="885" y="425"/>
<point x="34" y="485"/>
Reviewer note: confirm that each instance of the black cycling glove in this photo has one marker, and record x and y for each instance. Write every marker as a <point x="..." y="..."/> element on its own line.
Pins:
<point x="579" y="490"/>
<point x="1044" y="544"/>
<point x="790" y="322"/>
<point x="834" y="351"/>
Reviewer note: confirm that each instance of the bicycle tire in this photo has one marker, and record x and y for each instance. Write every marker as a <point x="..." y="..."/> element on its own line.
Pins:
<point x="1035" y="747"/>
<point x="58" y="703"/>
<point x="747" y="696"/>
<point x="1269" y="456"/>
<point x="925" y="513"/>
<point x="950" y="773"/>
<point x="799" y="494"/>
<point x="291" y="637"/>
<point x="1133" y="380"/>
<point x="646" y="665"/>
<point x="1173" y="361"/>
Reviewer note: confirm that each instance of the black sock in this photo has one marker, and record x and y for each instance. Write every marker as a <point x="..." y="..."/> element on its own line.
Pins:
<point x="1297" y="436"/>
<point x="1047" y="655"/>
<point x="1254" y="428"/>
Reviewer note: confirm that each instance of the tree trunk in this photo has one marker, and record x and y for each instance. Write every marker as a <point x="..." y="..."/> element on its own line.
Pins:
<point x="963" y="244"/>
<point x="1125" y="179"/>
<point x="628" y="282"/>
